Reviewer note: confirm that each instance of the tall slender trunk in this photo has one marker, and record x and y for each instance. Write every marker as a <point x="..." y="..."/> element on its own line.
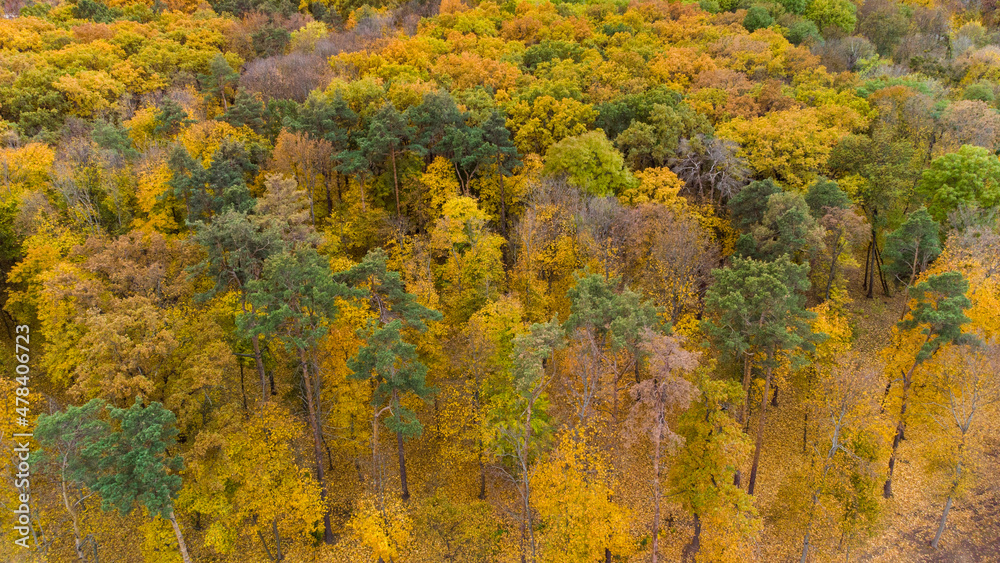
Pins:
<point x="760" y="433"/>
<point x="180" y="538"/>
<point x="259" y="360"/>
<point x="944" y="520"/>
<point x="746" y="388"/>
<point x="77" y="537"/>
<point x="317" y="445"/>
<point x="277" y="540"/>
<point x="951" y="492"/>
<point x="656" y="496"/>
<point x="900" y="426"/>
<point x="395" y="180"/>
<point x="402" y="468"/>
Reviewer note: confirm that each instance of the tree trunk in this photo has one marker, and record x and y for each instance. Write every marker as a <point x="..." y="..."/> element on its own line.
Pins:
<point x="317" y="446"/>
<point x="900" y="428"/>
<point x="690" y="550"/>
<point x="259" y="360"/>
<point x="503" y="206"/>
<point x="746" y="388"/>
<point x="180" y="538"/>
<point x="402" y="468"/>
<point x="760" y="434"/>
<point x="395" y="180"/>
<point x="77" y="539"/>
<point x="277" y="540"/>
<point x="656" y="497"/>
<point x="944" y="520"/>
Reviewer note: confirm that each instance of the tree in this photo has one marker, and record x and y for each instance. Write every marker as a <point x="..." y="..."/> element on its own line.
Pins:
<point x="964" y="390"/>
<point x="786" y="228"/>
<point x="711" y="165"/>
<point x="747" y="207"/>
<point x="70" y="449"/>
<point x="296" y="297"/>
<point x="591" y="163"/>
<point x="970" y="176"/>
<point x="220" y="77"/>
<point x="607" y="328"/>
<point x="135" y="467"/>
<point x="664" y="391"/>
<point x="655" y="141"/>
<point x="885" y="164"/>
<point x="824" y="193"/>
<point x="840" y="14"/>
<point x="757" y="308"/>
<point x="519" y="419"/>
<point x="912" y="246"/>
<point x="714" y="446"/>
<point x="757" y="18"/>
<point x="938" y="315"/>
<point x="238" y="244"/>
<point x="388" y="134"/>
<point x="581" y="521"/>
<point x="843" y="230"/>
<point x="845" y="402"/>
<point x="386" y="358"/>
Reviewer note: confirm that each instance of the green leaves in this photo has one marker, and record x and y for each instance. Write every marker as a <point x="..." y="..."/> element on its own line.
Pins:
<point x="590" y="163"/>
<point x="125" y="465"/>
<point x="969" y="177"/>
<point x="909" y="248"/>
<point x="616" y="318"/>
<point x="940" y="311"/>
<point x="135" y="467"/>
<point x="758" y="306"/>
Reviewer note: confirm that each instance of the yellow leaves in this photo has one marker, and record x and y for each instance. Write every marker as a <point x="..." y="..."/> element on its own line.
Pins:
<point x="659" y="185"/>
<point x="789" y="146"/>
<point x="545" y="121"/>
<point x="436" y="186"/>
<point x="247" y="479"/>
<point x="204" y="138"/>
<point x="25" y="168"/>
<point x="574" y="500"/>
<point x="89" y="91"/>
<point x="156" y="211"/>
<point x="304" y="39"/>
<point x="382" y="525"/>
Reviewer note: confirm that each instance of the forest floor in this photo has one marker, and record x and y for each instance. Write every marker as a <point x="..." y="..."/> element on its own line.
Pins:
<point x="910" y="519"/>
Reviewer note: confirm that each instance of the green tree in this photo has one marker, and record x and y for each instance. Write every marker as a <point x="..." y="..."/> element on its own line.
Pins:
<point x="758" y="308"/>
<point x="387" y="135"/>
<point x="603" y="322"/>
<point x="296" y="298"/>
<point x="912" y="246"/>
<point x="220" y="77"/>
<point x="757" y="18"/>
<point x="590" y="163"/>
<point x="747" y="207"/>
<point x="386" y="359"/>
<point x="970" y="176"/>
<point x="825" y="193"/>
<point x="885" y="163"/>
<point x="939" y="315"/>
<point x="519" y="420"/>
<point x="70" y="450"/>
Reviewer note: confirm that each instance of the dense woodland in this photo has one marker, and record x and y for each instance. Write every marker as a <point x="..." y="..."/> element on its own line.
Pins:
<point x="524" y="281"/>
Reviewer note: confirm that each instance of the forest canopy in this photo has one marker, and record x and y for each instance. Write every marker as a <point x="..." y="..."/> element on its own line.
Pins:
<point x="479" y="281"/>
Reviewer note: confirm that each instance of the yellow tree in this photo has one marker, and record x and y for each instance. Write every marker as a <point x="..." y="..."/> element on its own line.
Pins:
<point x="574" y="502"/>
